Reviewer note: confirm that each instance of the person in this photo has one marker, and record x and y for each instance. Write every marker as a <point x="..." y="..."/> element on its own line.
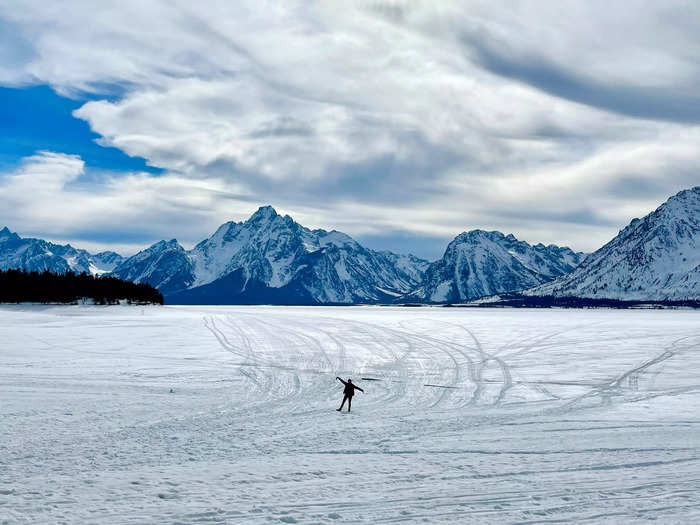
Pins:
<point x="348" y="392"/>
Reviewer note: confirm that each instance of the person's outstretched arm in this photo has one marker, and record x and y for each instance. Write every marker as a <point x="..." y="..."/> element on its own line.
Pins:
<point x="360" y="389"/>
<point x="340" y="380"/>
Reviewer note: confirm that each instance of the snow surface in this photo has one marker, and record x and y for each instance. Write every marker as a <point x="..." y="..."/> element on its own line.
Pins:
<point x="546" y="416"/>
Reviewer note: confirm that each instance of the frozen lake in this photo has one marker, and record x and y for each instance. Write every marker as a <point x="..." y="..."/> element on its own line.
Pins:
<point x="227" y="414"/>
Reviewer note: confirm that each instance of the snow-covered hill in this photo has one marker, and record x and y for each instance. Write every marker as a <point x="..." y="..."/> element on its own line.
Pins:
<point x="272" y="259"/>
<point x="479" y="263"/>
<point x="165" y="265"/>
<point x="37" y="254"/>
<point x="654" y="258"/>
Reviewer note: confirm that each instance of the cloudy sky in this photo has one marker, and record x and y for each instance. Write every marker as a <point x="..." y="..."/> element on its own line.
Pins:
<point x="398" y="122"/>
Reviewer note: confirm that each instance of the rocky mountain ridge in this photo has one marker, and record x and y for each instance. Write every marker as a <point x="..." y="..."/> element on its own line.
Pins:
<point x="480" y="263"/>
<point x="653" y="258"/>
<point x="38" y="255"/>
<point x="272" y="258"/>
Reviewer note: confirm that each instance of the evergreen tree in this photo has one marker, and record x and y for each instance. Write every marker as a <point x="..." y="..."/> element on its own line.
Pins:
<point x="18" y="286"/>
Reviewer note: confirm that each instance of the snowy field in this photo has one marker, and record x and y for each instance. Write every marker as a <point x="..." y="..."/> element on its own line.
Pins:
<point x="227" y="415"/>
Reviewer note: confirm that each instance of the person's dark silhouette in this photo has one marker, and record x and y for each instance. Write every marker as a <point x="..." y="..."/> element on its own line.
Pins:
<point x="348" y="392"/>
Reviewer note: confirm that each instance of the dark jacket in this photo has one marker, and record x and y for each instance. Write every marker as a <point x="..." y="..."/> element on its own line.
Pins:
<point x="350" y="388"/>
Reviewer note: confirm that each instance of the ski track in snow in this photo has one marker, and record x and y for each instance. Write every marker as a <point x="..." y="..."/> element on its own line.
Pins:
<point x="469" y="416"/>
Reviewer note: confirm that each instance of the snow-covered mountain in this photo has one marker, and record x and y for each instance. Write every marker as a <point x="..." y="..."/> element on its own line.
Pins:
<point x="37" y="254"/>
<point x="164" y="265"/>
<point x="654" y="258"/>
<point x="479" y="263"/>
<point x="272" y="259"/>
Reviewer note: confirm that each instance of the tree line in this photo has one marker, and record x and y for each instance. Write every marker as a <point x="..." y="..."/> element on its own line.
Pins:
<point x="20" y="286"/>
<point x="516" y="300"/>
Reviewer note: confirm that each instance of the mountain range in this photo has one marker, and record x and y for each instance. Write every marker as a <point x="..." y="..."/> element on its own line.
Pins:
<point x="480" y="263"/>
<point x="654" y="258"/>
<point x="40" y="255"/>
<point x="271" y="259"/>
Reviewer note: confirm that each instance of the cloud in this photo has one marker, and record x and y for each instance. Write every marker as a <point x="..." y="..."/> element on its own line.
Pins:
<point x="45" y="196"/>
<point x="648" y="102"/>
<point x="45" y="172"/>
<point x="557" y="121"/>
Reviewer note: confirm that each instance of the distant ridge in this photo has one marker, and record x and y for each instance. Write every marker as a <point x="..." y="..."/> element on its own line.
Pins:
<point x="39" y="255"/>
<point x="479" y="263"/>
<point x="653" y="258"/>
<point x="270" y="258"/>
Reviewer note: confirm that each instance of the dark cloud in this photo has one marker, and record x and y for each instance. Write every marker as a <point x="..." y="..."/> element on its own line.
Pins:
<point x="283" y="127"/>
<point x="634" y="100"/>
<point x="15" y="52"/>
<point x="386" y="179"/>
<point x="581" y="215"/>
<point x="639" y="187"/>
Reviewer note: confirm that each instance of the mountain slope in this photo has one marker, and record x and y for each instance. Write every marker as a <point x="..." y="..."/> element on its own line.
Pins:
<point x="164" y="265"/>
<point x="39" y="255"/>
<point x="479" y="263"/>
<point x="271" y="258"/>
<point x="654" y="258"/>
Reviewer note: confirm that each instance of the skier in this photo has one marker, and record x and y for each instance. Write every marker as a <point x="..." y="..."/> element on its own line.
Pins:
<point x="348" y="392"/>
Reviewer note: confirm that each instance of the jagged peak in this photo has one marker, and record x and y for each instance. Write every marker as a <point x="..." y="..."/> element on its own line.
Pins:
<point x="682" y="206"/>
<point x="264" y="212"/>
<point x="651" y="258"/>
<point x="495" y="235"/>
<point x="334" y="237"/>
<point x="161" y="245"/>
<point x="689" y="196"/>
<point x="5" y="233"/>
<point x="693" y="193"/>
<point x="481" y="234"/>
<point x="223" y="229"/>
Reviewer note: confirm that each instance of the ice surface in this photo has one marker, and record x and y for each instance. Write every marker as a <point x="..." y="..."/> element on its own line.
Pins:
<point x="227" y="415"/>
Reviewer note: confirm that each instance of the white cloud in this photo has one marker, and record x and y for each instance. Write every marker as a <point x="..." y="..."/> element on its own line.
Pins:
<point x="401" y="115"/>
<point x="44" y="172"/>
<point x="45" y="197"/>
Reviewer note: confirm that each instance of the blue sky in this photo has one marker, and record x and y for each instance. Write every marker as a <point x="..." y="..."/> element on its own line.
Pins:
<point x="35" y="118"/>
<point x="401" y="123"/>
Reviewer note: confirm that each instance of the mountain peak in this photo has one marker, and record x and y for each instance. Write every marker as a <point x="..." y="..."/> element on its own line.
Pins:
<point x="162" y="245"/>
<point x="271" y="256"/>
<point x="479" y="262"/>
<point x="264" y="213"/>
<point x="689" y="193"/>
<point x="479" y="234"/>
<point x="653" y="258"/>
<point x="682" y="199"/>
<point x="5" y="233"/>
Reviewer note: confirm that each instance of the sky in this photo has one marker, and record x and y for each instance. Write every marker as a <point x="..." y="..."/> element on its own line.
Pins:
<point x="401" y="123"/>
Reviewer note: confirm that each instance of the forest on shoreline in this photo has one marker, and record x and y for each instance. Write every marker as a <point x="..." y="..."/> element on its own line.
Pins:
<point x="20" y="286"/>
